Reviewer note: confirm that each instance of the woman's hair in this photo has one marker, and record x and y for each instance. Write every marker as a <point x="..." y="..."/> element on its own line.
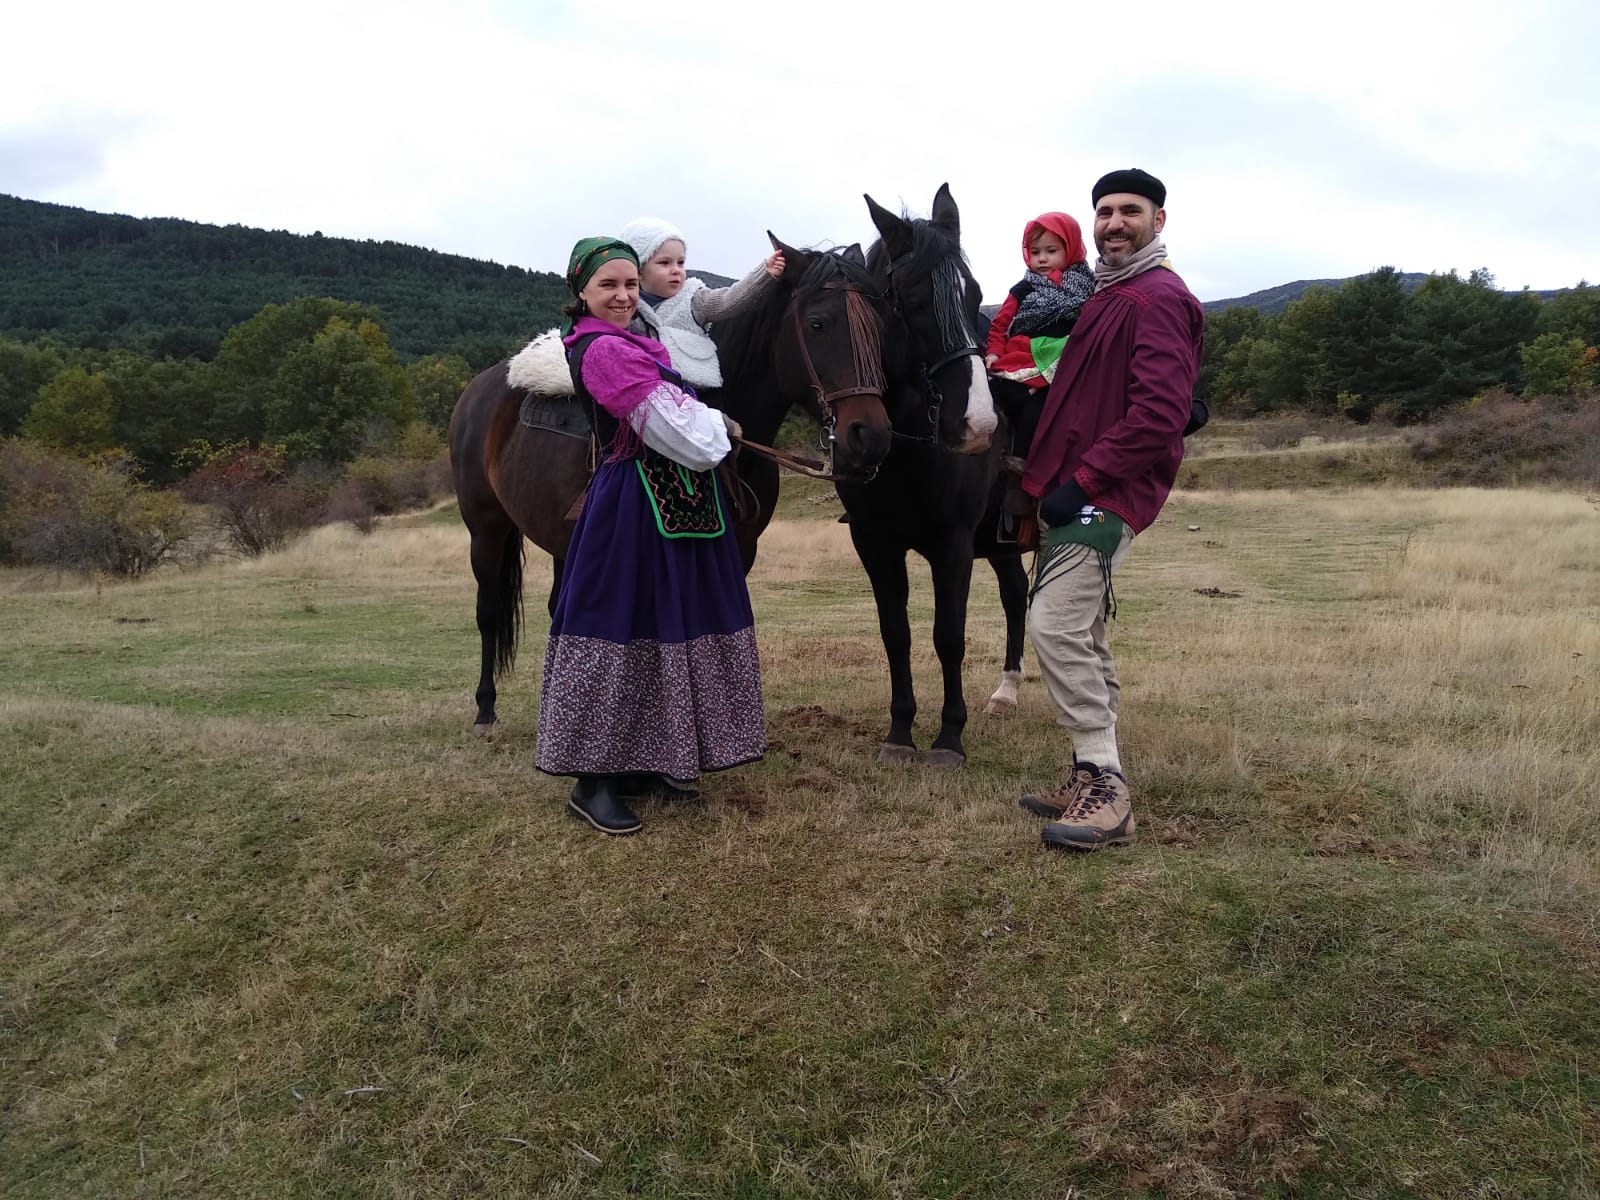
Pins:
<point x="575" y="308"/>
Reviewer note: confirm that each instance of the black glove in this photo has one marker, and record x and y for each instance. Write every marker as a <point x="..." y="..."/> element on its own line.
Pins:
<point x="1061" y="505"/>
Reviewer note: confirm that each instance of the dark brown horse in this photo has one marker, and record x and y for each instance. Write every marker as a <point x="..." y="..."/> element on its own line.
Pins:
<point x="813" y="341"/>
<point x="929" y="495"/>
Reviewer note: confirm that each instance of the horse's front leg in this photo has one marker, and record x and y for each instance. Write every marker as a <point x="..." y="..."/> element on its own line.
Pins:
<point x="1013" y="579"/>
<point x="886" y="569"/>
<point x="952" y="579"/>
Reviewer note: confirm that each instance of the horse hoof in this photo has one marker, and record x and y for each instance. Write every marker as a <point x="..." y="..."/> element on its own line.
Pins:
<point x="999" y="706"/>
<point x="944" y="760"/>
<point x="484" y="729"/>
<point x="889" y="752"/>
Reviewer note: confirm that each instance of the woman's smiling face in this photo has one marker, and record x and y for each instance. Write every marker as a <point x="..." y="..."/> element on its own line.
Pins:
<point x="613" y="292"/>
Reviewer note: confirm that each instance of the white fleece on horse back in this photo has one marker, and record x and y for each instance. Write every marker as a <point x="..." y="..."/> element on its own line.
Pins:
<point x="541" y="366"/>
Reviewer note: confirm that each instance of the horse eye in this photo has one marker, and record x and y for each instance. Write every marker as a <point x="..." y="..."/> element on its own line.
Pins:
<point x="816" y="323"/>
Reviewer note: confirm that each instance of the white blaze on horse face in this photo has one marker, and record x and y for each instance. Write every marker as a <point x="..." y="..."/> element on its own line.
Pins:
<point x="981" y="420"/>
<point x="950" y="310"/>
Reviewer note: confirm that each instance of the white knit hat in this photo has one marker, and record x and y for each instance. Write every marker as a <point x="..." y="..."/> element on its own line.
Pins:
<point x="648" y="234"/>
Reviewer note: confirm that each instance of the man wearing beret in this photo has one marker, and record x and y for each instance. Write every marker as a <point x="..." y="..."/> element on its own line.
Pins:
<point x="1105" y="456"/>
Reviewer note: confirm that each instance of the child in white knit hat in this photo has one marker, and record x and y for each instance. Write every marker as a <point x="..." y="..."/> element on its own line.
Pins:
<point x="676" y="309"/>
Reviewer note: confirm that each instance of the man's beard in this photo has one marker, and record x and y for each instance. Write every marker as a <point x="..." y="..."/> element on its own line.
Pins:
<point x="1122" y="256"/>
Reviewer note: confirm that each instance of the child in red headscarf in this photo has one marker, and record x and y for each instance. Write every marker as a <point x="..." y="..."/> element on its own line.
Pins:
<point x="1029" y="332"/>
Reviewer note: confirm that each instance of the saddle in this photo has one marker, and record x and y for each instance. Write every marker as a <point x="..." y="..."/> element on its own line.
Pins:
<point x="563" y="415"/>
<point x="540" y="369"/>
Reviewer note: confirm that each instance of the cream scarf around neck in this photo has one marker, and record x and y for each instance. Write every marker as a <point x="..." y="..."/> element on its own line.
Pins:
<point x="1140" y="261"/>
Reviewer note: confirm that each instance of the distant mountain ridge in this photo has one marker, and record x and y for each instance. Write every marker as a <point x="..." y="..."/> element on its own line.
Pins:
<point x="1272" y="301"/>
<point x="175" y="287"/>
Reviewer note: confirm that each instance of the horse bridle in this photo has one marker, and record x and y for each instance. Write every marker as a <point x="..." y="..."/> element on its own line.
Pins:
<point x="927" y="371"/>
<point x="868" y="368"/>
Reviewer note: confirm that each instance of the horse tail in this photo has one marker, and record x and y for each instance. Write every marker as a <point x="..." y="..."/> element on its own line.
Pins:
<point x="507" y="616"/>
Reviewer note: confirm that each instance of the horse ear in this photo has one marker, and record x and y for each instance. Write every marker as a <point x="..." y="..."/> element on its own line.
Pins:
<point x="853" y="254"/>
<point x="946" y="216"/>
<point x="795" y="261"/>
<point x="895" y="231"/>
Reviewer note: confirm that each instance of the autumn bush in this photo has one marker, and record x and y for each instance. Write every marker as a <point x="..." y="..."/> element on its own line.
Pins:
<point x="258" y="501"/>
<point x="84" y="514"/>
<point x="1503" y="440"/>
<point x="414" y="475"/>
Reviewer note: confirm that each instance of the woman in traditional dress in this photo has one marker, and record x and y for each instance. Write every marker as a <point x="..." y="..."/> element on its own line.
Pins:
<point x="651" y="675"/>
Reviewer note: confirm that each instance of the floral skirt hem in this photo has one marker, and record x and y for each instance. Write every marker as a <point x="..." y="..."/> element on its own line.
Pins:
<point x="668" y="708"/>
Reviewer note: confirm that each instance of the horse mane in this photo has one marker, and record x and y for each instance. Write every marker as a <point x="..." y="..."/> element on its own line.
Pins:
<point x="933" y="253"/>
<point x="745" y="339"/>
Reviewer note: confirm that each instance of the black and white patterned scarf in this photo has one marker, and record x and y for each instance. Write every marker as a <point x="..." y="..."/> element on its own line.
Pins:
<point x="1046" y="302"/>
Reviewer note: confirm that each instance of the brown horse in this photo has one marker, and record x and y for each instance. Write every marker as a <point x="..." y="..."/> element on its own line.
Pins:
<point x="814" y="340"/>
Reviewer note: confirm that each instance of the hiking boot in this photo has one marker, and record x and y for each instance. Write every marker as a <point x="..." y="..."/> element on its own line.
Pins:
<point x="1101" y="813"/>
<point x="1056" y="803"/>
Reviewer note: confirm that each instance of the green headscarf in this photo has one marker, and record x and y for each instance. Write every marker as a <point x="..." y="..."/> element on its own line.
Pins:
<point x="588" y="256"/>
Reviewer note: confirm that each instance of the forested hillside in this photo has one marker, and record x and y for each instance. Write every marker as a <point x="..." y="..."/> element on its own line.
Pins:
<point x="173" y="288"/>
<point x="1375" y="347"/>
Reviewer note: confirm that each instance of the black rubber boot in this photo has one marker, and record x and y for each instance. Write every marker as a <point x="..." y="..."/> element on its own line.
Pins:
<point x="595" y="801"/>
<point x="642" y="785"/>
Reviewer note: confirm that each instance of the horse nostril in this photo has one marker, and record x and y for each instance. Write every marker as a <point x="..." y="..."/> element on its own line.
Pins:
<point x="867" y="443"/>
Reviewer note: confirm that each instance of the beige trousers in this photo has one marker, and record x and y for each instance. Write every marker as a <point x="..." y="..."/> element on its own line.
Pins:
<point x="1067" y="627"/>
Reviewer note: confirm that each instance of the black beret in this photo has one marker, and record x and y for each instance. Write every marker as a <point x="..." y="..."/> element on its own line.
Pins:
<point x="1140" y="183"/>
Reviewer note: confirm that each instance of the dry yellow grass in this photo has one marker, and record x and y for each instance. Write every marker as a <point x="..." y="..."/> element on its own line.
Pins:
<point x="1445" y="643"/>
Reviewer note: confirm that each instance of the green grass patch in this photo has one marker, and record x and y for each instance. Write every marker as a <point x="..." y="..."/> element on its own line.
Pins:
<point x="274" y="922"/>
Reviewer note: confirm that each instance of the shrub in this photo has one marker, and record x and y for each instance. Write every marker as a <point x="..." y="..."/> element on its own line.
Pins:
<point x="258" y="502"/>
<point x="418" y="444"/>
<point x="390" y="485"/>
<point x="350" y="501"/>
<point x="1279" y="433"/>
<point x="84" y="515"/>
<point x="1502" y="440"/>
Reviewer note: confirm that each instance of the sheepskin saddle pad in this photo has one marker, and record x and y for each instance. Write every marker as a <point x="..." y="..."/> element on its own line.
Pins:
<point x="540" y="369"/>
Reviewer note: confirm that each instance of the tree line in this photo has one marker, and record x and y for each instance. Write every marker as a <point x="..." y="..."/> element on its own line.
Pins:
<point x="1371" y="347"/>
<point x="173" y="289"/>
<point x="316" y="377"/>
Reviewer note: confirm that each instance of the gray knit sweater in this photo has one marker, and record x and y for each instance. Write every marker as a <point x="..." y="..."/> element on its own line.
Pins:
<point x="679" y="323"/>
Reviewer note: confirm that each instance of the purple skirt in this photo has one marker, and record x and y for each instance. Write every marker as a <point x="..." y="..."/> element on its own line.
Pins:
<point x="652" y="662"/>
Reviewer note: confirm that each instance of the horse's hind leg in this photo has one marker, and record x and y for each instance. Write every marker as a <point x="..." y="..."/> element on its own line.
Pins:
<point x="497" y="566"/>
<point x="1013" y="581"/>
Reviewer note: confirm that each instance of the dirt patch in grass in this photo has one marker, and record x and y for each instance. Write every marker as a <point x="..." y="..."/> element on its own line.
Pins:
<point x="1188" y="1121"/>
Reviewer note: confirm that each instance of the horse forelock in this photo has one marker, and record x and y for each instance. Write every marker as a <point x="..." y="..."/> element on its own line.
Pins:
<point x="937" y="257"/>
<point x="745" y="340"/>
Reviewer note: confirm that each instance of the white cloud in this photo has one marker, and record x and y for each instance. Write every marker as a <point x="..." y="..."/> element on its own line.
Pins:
<point x="1295" y="142"/>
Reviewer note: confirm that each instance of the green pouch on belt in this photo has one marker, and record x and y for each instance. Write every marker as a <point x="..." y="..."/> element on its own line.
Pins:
<point x="1094" y="531"/>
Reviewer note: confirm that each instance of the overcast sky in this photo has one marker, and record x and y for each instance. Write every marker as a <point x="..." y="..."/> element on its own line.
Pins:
<point x="1429" y="136"/>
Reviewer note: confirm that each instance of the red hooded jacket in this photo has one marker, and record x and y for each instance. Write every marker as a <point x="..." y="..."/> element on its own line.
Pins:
<point x="1013" y="353"/>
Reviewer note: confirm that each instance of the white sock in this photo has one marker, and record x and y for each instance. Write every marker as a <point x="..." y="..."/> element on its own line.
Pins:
<point x="1097" y="746"/>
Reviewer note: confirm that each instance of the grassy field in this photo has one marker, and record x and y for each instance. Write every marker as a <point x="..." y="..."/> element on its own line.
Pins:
<point x="274" y="923"/>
